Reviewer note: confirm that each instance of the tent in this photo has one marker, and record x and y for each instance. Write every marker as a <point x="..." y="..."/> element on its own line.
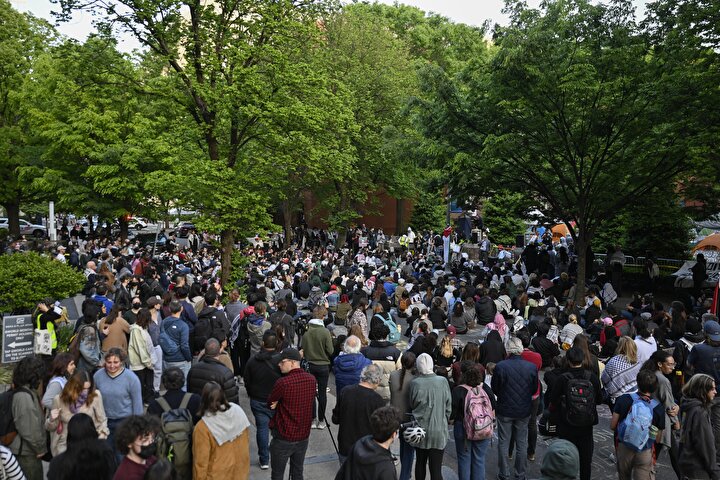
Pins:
<point x="558" y="231"/>
<point x="711" y="242"/>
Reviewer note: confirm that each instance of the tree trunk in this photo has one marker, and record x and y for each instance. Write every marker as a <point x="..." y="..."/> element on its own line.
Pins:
<point x="287" y="221"/>
<point x="122" y="221"/>
<point x="581" y="246"/>
<point x="400" y="216"/>
<point x="13" y="212"/>
<point x="227" y="241"/>
<point x="91" y="228"/>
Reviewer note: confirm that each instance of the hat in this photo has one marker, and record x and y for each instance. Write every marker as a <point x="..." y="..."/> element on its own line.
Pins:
<point x="401" y="281"/>
<point x="290" y="354"/>
<point x="61" y="247"/>
<point x="607" y="321"/>
<point x="561" y="461"/>
<point x="712" y="330"/>
<point x="152" y="301"/>
<point x="451" y="330"/>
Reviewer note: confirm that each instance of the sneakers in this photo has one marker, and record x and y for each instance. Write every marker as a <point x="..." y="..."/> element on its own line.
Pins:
<point x="264" y="467"/>
<point x="318" y="425"/>
<point x="531" y="457"/>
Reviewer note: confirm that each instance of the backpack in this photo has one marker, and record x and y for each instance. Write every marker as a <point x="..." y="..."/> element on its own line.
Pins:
<point x="579" y="401"/>
<point x="167" y="343"/>
<point x="208" y="326"/>
<point x="175" y="440"/>
<point x="8" y="431"/>
<point x="634" y="430"/>
<point x="316" y="298"/>
<point x="478" y="420"/>
<point x="404" y="304"/>
<point x="394" y="336"/>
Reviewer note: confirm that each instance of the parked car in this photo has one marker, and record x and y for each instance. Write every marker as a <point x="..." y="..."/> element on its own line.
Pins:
<point x="146" y="240"/>
<point x="184" y="229"/>
<point x="26" y="228"/>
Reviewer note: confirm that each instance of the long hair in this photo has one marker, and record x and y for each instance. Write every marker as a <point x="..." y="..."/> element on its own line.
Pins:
<point x="74" y="387"/>
<point x="60" y="364"/>
<point x="114" y="313"/>
<point x="698" y="387"/>
<point x="582" y="342"/>
<point x="407" y="362"/>
<point x="446" y="349"/>
<point x="471" y="352"/>
<point x="213" y="399"/>
<point x="651" y="364"/>
<point x="627" y="348"/>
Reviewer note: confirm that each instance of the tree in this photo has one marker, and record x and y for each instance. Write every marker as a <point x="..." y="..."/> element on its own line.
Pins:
<point x="22" y="38"/>
<point x="103" y="134"/>
<point x="233" y="66"/>
<point x="503" y="215"/>
<point x="572" y="110"/>
<point x="429" y="212"/>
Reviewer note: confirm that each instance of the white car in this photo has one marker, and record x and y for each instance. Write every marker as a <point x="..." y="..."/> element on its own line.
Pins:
<point x="26" y="228"/>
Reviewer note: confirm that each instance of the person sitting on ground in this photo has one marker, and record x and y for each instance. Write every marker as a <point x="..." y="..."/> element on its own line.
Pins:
<point x="348" y="366"/>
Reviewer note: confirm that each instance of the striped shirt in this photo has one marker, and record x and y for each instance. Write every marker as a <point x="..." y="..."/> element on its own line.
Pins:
<point x="9" y="468"/>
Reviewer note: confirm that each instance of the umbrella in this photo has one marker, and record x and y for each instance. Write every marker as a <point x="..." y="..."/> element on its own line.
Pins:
<point x="558" y="231"/>
<point x="711" y="242"/>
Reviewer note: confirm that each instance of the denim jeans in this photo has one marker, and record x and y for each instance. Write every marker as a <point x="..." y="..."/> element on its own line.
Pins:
<point x="507" y="427"/>
<point x="321" y="374"/>
<point x="262" y="414"/>
<point x="281" y="451"/>
<point x="184" y="366"/>
<point x="470" y="454"/>
<point x="112" y="424"/>
<point x="407" y="455"/>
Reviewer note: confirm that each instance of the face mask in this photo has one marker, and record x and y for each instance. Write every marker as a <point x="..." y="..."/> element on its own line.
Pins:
<point x="136" y="306"/>
<point x="147" y="451"/>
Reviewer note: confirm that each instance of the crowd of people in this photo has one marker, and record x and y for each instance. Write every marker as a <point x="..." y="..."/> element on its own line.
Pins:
<point x="418" y="352"/>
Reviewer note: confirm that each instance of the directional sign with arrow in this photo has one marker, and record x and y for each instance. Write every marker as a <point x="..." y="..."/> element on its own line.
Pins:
<point x="17" y="341"/>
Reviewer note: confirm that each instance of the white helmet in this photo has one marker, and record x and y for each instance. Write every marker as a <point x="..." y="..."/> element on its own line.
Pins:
<point x="414" y="435"/>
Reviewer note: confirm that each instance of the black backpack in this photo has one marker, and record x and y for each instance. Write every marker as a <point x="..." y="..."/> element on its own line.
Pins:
<point x="579" y="401"/>
<point x="8" y="431"/>
<point x="208" y="326"/>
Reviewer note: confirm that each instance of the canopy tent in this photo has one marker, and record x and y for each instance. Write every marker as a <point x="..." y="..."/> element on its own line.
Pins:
<point x="711" y="242"/>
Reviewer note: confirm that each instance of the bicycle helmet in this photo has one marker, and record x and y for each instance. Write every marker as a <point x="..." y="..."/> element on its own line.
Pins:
<point x="414" y="434"/>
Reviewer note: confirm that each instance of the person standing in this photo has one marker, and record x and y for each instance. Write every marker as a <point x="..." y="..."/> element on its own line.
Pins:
<point x="574" y="397"/>
<point x="697" y="457"/>
<point x="292" y="399"/>
<point x="635" y="452"/>
<point x="400" y="381"/>
<point x="431" y="404"/>
<point x="221" y="440"/>
<point x="120" y="389"/>
<point x="470" y="453"/>
<point x="141" y="354"/>
<point x="317" y="347"/>
<point x="354" y="407"/>
<point x="261" y="373"/>
<point x="370" y="457"/>
<point x="514" y="382"/>
<point x="210" y="369"/>
<point x="175" y="340"/>
<point x="136" y="441"/>
<point x="29" y="445"/>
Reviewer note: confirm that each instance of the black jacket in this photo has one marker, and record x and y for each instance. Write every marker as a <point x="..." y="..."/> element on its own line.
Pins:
<point x="558" y="392"/>
<point x="123" y="298"/>
<point x="368" y="461"/>
<point x="261" y="373"/>
<point x="210" y="369"/>
<point x="546" y="348"/>
<point x="352" y="412"/>
<point x="486" y="310"/>
<point x="211" y="323"/>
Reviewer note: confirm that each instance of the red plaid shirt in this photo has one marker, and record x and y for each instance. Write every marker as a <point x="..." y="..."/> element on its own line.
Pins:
<point x="295" y="393"/>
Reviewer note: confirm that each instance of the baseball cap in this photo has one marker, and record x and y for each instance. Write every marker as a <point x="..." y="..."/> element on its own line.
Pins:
<point x="712" y="330"/>
<point x="451" y="330"/>
<point x="290" y="354"/>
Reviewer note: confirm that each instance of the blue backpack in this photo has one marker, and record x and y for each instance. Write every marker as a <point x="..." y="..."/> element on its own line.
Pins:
<point x="634" y="431"/>
<point x="394" y="336"/>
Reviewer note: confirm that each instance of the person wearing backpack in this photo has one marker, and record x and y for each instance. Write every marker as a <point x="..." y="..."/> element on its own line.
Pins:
<point x="23" y="431"/>
<point x="175" y="340"/>
<point x="212" y="322"/>
<point x="381" y="316"/>
<point x="473" y="413"/>
<point x="637" y="420"/>
<point x="574" y="397"/>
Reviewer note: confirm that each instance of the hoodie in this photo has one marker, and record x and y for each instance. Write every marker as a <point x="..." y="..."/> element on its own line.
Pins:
<point x="256" y="325"/>
<point x="347" y="368"/>
<point x="561" y="461"/>
<point x="368" y="460"/>
<point x="697" y="457"/>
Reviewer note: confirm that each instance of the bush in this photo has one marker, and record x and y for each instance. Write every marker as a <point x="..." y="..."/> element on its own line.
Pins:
<point x="27" y="278"/>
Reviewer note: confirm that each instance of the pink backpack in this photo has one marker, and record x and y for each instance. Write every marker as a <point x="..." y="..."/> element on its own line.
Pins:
<point x="478" y="421"/>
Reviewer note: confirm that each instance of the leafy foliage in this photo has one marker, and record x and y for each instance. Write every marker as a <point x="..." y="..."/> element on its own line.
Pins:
<point x="429" y="212"/>
<point x="25" y="279"/>
<point x="503" y="215"/>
